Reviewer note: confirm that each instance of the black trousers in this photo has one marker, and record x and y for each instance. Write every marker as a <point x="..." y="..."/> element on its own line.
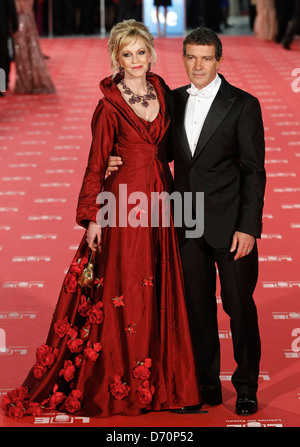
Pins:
<point x="285" y="10"/>
<point x="238" y="280"/>
<point x="293" y="27"/>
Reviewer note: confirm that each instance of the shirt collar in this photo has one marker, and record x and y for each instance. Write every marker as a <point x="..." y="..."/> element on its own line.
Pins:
<point x="209" y="90"/>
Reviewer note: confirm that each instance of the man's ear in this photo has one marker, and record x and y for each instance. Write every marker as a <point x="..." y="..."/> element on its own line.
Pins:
<point x="220" y="62"/>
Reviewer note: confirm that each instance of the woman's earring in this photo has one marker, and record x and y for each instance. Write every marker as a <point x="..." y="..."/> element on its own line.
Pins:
<point x="121" y="71"/>
<point x="149" y="67"/>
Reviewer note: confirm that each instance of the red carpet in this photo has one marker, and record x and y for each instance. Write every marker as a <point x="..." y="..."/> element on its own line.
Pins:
<point x="44" y="143"/>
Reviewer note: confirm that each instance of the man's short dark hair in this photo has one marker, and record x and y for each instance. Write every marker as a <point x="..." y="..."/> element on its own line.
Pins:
<point x="204" y="36"/>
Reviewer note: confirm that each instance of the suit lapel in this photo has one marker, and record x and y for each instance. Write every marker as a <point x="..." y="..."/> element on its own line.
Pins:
<point x="180" y="106"/>
<point x="219" y="109"/>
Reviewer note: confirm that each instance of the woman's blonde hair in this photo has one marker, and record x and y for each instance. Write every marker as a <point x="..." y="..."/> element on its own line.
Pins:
<point x="124" y="33"/>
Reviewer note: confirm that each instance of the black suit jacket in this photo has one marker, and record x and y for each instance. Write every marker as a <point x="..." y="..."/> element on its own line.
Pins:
<point x="228" y="163"/>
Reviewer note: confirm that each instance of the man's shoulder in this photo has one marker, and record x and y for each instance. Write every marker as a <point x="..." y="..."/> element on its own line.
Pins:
<point x="178" y="93"/>
<point x="241" y="92"/>
<point x="236" y="91"/>
<point x="179" y="90"/>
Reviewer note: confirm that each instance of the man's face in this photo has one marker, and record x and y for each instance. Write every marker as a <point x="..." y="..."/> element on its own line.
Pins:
<point x="201" y="64"/>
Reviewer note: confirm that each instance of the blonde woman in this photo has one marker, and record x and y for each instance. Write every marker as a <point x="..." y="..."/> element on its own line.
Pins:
<point x="121" y="346"/>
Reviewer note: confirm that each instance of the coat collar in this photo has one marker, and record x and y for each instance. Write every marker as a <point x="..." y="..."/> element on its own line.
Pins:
<point x="108" y="87"/>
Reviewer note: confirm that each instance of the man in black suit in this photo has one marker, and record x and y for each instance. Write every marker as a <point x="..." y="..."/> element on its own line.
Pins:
<point x="217" y="144"/>
<point x="218" y="148"/>
<point x="8" y="25"/>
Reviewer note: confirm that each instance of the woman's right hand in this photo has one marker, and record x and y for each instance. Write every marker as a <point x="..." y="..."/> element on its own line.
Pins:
<point x="93" y="236"/>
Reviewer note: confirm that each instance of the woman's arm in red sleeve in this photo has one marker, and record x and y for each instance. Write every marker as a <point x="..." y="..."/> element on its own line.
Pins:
<point x="103" y="136"/>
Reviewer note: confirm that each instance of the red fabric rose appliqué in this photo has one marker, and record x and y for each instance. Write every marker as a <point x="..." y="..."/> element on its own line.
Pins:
<point x="92" y="352"/>
<point x="73" y="402"/>
<point x="95" y="314"/>
<point x="130" y="329"/>
<point x="147" y="281"/>
<point x="118" y="389"/>
<point x="13" y="404"/>
<point x="141" y="369"/>
<point x="75" y="270"/>
<point x="145" y="393"/>
<point x="68" y="371"/>
<point x="45" y="356"/>
<point x="61" y="327"/>
<point x="118" y="301"/>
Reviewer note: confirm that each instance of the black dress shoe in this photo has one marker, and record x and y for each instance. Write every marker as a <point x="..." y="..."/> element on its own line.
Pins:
<point x="194" y="409"/>
<point x="246" y="404"/>
<point x="286" y="46"/>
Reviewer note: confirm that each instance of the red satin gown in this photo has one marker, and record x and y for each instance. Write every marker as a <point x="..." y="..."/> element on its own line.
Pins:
<point x="124" y="345"/>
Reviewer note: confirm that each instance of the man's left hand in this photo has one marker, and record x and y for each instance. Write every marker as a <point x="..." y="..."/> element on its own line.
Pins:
<point x="243" y="244"/>
<point x="113" y="163"/>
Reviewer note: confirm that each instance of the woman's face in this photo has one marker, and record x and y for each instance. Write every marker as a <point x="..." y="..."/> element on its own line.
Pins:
<point x="134" y="58"/>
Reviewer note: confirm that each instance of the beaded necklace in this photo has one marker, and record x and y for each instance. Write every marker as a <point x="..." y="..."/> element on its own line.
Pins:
<point x="143" y="99"/>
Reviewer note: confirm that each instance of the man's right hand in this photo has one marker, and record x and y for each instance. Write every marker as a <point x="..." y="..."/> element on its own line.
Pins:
<point x="113" y="164"/>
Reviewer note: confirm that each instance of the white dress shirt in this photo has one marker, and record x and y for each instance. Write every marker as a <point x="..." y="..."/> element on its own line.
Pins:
<point x="197" y="107"/>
